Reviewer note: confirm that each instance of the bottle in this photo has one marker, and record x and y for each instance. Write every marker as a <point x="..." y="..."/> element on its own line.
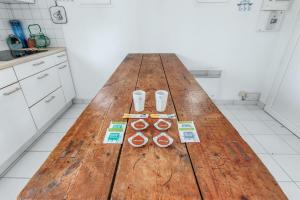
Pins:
<point x="18" y="31"/>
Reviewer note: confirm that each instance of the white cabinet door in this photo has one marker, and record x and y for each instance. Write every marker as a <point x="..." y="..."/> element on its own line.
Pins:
<point x="7" y="77"/>
<point x="66" y="81"/>
<point x="46" y="109"/>
<point x="16" y="123"/>
<point x="38" y="86"/>
<point x="59" y="58"/>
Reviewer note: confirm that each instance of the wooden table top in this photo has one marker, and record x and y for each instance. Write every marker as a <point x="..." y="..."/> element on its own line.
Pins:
<point x="221" y="166"/>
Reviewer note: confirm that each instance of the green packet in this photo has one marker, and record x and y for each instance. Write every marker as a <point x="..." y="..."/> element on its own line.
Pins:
<point x="186" y="129"/>
<point x="117" y="126"/>
<point x="186" y="125"/>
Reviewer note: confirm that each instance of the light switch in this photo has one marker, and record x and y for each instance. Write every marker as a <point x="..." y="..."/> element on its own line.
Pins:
<point x="270" y="21"/>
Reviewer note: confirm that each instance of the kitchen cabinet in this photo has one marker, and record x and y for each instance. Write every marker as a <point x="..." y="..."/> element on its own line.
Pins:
<point x="7" y="77"/>
<point x="60" y="58"/>
<point x="17" y="125"/>
<point x="40" y="85"/>
<point x="29" y="68"/>
<point x="48" y="107"/>
<point x="32" y="95"/>
<point x="66" y="81"/>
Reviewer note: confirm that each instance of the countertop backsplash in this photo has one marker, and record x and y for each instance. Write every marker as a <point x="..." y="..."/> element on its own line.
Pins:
<point x="29" y="14"/>
<point x="5" y="30"/>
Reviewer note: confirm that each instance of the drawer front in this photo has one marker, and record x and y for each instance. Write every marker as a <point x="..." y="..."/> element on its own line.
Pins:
<point x="46" y="109"/>
<point x="27" y="69"/>
<point x="7" y="77"/>
<point x="66" y="81"/>
<point x="59" y="57"/>
<point x="40" y="85"/>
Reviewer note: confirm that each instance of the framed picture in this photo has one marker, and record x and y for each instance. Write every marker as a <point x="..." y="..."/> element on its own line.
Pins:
<point x="58" y="15"/>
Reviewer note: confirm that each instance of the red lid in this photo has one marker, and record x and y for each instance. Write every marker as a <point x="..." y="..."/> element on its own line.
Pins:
<point x="163" y="124"/>
<point x="163" y="140"/>
<point x="138" y="140"/>
<point x="140" y="124"/>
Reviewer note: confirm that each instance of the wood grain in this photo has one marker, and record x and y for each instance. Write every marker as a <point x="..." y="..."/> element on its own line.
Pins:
<point x="152" y="172"/>
<point x="222" y="166"/>
<point x="225" y="166"/>
<point x="81" y="166"/>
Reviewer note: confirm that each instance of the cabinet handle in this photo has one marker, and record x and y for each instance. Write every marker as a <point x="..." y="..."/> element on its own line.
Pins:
<point x="44" y="76"/>
<point x="60" y="56"/>
<point x="64" y="66"/>
<point x="51" y="99"/>
<point x="39" y="63"/>
<point x="11" y="92"/>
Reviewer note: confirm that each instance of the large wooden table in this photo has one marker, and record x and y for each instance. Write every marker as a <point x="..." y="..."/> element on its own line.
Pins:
<point x="222" y="166"/>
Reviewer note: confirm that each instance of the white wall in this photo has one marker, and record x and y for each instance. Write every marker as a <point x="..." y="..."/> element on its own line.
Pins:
<point x="202" y="35"/>
<point x="280" y="53"/>
<point x="284" y="99"/>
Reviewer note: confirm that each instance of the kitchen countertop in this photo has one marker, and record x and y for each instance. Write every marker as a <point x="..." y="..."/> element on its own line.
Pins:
<point x="17" y="61"/>
<point x="221" y="166"/>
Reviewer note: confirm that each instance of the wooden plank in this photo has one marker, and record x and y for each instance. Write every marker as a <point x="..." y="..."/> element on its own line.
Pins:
<point x="180" y="78"/>
<point x="152" y="172"/>
<point x="81" y="166"/>
<point x="225" y="166"/>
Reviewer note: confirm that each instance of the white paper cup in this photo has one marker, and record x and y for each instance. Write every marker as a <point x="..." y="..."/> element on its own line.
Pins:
<point x="139" y="97"/>
<point x="161" y="98"/>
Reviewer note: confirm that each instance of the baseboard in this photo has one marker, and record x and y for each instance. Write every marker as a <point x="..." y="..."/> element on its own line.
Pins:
<point x="261" y="104"/>
<point x="81" y="101"/>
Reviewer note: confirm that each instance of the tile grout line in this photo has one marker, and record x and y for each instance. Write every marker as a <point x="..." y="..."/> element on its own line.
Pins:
<point x="296" y="153"/>
<point x="288" y="143"/>
<point x="272" y="154"/>
<point x="291" y="180"/>
<point x="278" y="163"/>
<point x="259" y="145"/>
<point x="274" y="133"/>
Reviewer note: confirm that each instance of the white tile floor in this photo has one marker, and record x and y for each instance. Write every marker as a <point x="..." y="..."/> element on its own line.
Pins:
<point x="276" y="146"/>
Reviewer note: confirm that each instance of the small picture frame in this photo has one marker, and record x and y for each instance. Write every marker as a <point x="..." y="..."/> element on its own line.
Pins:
<point x="58" y="15"/>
